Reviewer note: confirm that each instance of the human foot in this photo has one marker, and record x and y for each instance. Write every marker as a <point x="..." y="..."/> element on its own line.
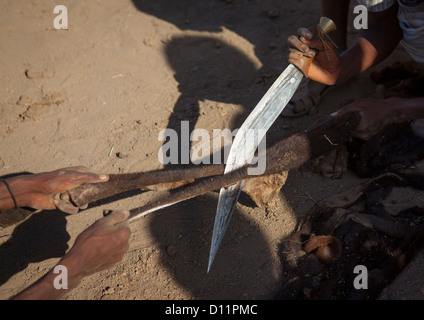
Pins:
<point x="306" y="99"/>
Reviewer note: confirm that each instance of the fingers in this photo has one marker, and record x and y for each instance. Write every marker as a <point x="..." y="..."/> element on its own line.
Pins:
<point x="302" y="49"/>
<point x="115" y="217"/>
<point x="301" y="46"/>
<point x="116" y="220"/>
<point x="371" y="120"/>
<point x="45" y="187"/>
<point x="314" y="56"/>
<point x="87" y="177"/>
<point x="64" y="179"/>
<point x="81" y="174"/>
<point x="61" y="201"/>
<point x="306" y="41"/>
<point x="65" y="207"/>
<point x="301" y="61"/>
<point x="77" y="168"/>
<point x="102" y="244"/>
<point x="305" y="33"/>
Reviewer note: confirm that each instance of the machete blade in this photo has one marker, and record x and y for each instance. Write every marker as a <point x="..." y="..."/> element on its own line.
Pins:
<point x="258" y="122"/>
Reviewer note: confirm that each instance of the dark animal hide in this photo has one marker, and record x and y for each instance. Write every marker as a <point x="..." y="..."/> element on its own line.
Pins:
<point x="362" y="226"/>
<point x="357" y="227"/>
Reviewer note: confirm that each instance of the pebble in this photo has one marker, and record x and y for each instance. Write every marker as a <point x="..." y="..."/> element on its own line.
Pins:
<point x="108" y="290"/>
<point x="121" y="155"/>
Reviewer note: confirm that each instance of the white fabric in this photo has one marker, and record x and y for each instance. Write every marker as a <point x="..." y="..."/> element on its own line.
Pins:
<point x="377" y="5"/>
<point x="411" y="20"/>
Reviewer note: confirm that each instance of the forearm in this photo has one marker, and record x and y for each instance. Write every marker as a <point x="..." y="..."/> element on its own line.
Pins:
<point x="19" y="188"/>
<point x="406" y="109"/>
<point x="99" y="247"/>
<point x="44" y="288"/>
<point x="373" y="45"/>
<point x="357" y="59"/>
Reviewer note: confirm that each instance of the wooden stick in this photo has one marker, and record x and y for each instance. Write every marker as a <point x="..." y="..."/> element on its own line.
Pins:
<point x="285" y="155"/>
<point x="118" y="183"/>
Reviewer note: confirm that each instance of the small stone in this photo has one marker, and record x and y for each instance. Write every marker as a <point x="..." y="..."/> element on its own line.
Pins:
<point x="121" y="155"/>
<point x="108" y="290"/>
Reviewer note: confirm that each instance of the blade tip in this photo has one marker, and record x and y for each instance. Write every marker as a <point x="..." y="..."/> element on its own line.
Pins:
<point x="211" y="259"/>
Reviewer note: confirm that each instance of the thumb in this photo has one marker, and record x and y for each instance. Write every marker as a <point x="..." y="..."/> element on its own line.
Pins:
<point x="115" y="217"/>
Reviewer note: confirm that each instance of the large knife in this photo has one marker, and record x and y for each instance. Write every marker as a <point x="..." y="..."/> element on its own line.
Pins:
<point x="251" y="134"/>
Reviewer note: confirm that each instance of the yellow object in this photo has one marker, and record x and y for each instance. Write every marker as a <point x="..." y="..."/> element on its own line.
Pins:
<point x="326" y="26"/>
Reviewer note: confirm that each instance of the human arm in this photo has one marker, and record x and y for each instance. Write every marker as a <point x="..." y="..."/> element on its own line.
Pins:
<point x="377" y="113"/>
<point x="41" y="191"/>
<point x="325" y="65"/>
<point x="99" y="247"/>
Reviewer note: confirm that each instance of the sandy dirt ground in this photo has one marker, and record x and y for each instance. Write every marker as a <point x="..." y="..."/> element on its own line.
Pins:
<point x="122" y="72"/>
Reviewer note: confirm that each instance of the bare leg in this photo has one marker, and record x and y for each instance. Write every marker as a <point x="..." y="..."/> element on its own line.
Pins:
<point x="311" y="92"/>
